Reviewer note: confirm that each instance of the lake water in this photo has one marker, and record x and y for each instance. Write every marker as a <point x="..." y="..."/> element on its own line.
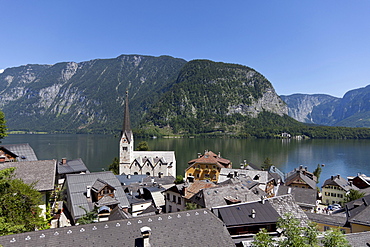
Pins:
<point x="344" y="157"/>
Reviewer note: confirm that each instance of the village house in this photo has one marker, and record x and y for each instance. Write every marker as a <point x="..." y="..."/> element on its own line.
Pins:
<point x="361" y="181"/>
<point x="17" y="152"/>
<point x="151" y="163"/>
<point x="41" y="173"/>
<point x="302" y="178"/>
<point x="75" y="166"/>
<point x="230" y="192"/>
<point x="326" y="222"/>
<point x="358" y="214"/>
<point x="265" y="180"/>
<point x="100" y="190"/>
<point x="178" y="195"/>
<point x="305" y="198"/>
<point x="244" y="220"/>
<point x="189" y="228"/>
<point x="206" y="166"/>
<point x="335" y="189"/>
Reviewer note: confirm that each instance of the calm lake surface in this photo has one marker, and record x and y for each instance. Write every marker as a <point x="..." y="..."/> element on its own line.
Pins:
<point x="344" y="157"/>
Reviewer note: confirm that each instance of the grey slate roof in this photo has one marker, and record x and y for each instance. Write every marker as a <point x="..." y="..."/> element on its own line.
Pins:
<point x="334" y="220"/>
<point x="188" y="228"/>
<point x="305" y="197"/>
<point x="241" y="214"/>
<point x="76" y="190"/>
<point x="359" y="239"/>
<point x="358" y="211"/>
<point x="215" y="196"/>
<point x="42" y="172"/>
<point x="23" y="151"/>
<point x="286" y="204"/>
<point x="72" y="166"/>
<point x="341" y="182"/>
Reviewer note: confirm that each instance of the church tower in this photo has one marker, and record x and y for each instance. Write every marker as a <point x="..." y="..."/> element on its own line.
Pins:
<point x="126" y="143"/>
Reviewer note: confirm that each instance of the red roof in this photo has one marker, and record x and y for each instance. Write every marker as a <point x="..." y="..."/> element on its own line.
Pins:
<point x="210" y="157"/>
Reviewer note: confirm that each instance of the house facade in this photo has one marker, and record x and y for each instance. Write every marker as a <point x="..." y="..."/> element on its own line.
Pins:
<point x="335" y="189"/>
<point x="301" y="178"/>
<point x="206" y="166"/>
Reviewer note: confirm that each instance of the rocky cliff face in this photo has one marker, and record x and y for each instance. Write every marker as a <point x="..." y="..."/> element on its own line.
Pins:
<point x="87" y="96"/>
<point x="353" y="110"/>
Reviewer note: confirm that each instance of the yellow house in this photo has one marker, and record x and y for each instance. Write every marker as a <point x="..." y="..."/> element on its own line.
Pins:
<point x="327" y="222"/>
<point x="207" y="166"/>
<point x="335" y="189"/>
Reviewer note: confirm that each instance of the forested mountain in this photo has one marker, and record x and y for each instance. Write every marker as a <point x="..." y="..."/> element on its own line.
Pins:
<point x="86" y="96"/>
<point x="353" y="110"/>
<point x="209" y="96"/>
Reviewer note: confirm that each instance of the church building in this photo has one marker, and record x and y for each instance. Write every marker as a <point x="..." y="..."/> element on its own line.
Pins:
<point x="151" y="163"/>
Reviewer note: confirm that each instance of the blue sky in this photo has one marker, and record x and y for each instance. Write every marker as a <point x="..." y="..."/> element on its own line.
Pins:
<point x="300" y="46"/>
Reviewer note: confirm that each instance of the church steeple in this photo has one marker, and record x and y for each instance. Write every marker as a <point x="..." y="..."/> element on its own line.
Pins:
<point x="127" y="142"/>
<point x="126" y="119"/>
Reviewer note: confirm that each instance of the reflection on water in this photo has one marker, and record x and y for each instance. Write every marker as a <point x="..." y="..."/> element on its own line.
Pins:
<point x="344" y="157"/>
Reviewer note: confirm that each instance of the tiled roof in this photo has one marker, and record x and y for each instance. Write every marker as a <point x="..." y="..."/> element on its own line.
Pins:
<point x="210" y="157"/>
<point x="77" y="186"/>
<point x="42" y="172"/>
<point x="23" y="151"/>
<point x="301" y="195"/>
<point x="195" y="187"/>
<point x="188" y="228"/>
<point x="292" y="176"/>
<point x="286" y="204"/>
<point x="215" y="196"/>
<point x="359" y="239"/>
<point x="341" y="182"/>
<point x="334" y="220"/>
<point x="72" y="166"/>
<point x="358" y="211"/>
<point x="261" y="177"/>
<point x="241" y="214"/>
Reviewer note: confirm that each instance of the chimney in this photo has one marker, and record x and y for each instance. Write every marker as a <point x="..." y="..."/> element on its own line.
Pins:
<point x="199" y="155"/>
<point x="88" y="191"/>
<point x="289" y="190"/>
<point x="145" y="232"/>
<point x="253" y="215"/>
<point x="305" y="168"/>
<point x="219" y="154"/>
<point x="129" y="176"/>
<point x="64" y="161"/>
<point x="338" y="176"/>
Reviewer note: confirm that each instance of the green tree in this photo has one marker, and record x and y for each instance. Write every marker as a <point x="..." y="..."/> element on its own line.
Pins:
<point x="114" y="167"/>
<point x="3" y="128"/>
<point x="266" y="164"/>
<point x="334" y="238"/>
<point x="179" y="179"/>
<point x="19" y="205"/>
<point x="317" y="172"/>
<point x="142" y="146"/>
<point x="191" y="206"/>
<point x="89" y="217"/>
<point x="263" y="239"/>
<point x="353" y="195"/>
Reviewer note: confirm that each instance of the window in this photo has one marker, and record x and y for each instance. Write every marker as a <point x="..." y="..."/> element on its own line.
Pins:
<point x="326" y="228"/>
<point x="124" y="148"/>
<point x="168" y="196"/>
<point x="333" y="194"/>
<point x="169" y="208"/>
<point x="174" y="198"/>
<point x="179" y="200"/>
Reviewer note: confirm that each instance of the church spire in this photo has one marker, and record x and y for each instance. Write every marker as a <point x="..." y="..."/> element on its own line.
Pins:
<point x="126" y="120"/>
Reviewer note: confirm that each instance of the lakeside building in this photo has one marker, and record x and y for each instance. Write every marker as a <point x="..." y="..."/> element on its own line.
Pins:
<point x="151" y="163"/>
<point x="335" y="189"/>
<point x="207" y="166"/>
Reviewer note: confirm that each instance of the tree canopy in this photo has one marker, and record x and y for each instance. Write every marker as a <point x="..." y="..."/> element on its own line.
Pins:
<point x="19" y="205"/>
<point x="3" y="128"/>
